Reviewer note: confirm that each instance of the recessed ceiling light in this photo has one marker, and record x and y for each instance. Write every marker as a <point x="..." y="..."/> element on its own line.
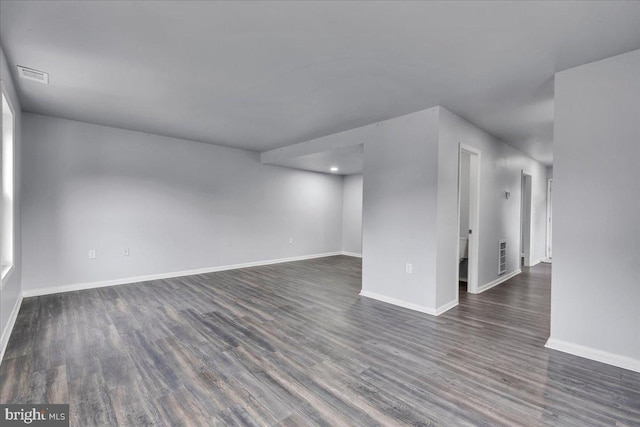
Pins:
<point x="31" y="74"/>
<point x="334" y="169"/>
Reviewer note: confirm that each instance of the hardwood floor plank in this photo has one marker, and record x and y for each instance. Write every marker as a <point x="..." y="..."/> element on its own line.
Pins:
<point x="181" y="408"/>
<point x="56" y="386"/>
<point x="133" y="407"/>
<point x="90" y="403"/>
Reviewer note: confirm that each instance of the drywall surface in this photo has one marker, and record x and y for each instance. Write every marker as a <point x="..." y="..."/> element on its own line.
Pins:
<point x="500" y="171"/>
<point x="399" y="209"/>
<point x="352" y="214"/>
<point x="175" y="205"/>
<point x="595" y="295"/>
<point x="11" y="287"/>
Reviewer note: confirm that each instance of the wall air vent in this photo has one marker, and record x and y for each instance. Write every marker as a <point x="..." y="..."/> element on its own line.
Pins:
<point x="502" y="257"/>
<point x="31" y="74"/>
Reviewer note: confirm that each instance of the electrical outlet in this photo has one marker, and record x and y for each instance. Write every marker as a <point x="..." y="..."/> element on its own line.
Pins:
<point x="409" y="268"/>
<point x="126" y="252"/>
<point x="290" y="240"/>
<point x="92" y="254"/>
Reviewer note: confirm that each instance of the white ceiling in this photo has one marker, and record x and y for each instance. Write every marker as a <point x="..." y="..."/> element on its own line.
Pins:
<point x="262" y="75"/>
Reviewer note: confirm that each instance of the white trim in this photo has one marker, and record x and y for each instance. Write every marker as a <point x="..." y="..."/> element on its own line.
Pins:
<point x="498" y="281"/>
<point x="538" y="261"/>
<point x="446" y="307"/>
<point x="6" y="334"/>
<point x="400" y="303"/>
<point x="602" y="356"/>
<point x="528" y="251"/>
<point x="5" y="273"/>
<point x="353" y="254"/>
<point x="470" y="149"/>
<point x="126" y="280"/>
<point x="546" y="260"/>
<point x="548" y="242"/>
<point x="473" y="257"/>
<point x="422" y="309"/>
<point x="9" y="221"/>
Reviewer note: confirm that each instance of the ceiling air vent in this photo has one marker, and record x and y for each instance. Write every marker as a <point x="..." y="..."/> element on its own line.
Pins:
<point x="31" y="74"/>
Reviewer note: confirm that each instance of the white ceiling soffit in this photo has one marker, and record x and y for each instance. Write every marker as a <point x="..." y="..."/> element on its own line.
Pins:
<point x="262" y="75"/>
<point x="347" y="160"/>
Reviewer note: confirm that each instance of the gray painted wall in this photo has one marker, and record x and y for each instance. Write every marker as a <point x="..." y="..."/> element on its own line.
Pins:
<point x="500" y="170"/>
<point x="595" y="296"/>
<point x="176" y="204"/>
<point x="399" y="213"/>
<point x="11" y="290"/>
<point x="352" y="214"/>
<point x="410" y="205"/>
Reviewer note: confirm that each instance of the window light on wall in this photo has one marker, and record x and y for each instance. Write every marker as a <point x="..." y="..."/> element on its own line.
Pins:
<point x="7" y="178"/>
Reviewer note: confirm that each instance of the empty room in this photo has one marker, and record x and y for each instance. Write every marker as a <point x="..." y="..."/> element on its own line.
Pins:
<point x="320" y="213"/>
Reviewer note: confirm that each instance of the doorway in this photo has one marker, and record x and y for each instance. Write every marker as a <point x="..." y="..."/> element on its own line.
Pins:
<point x="526" y="221"/>
<point x="549" y="219"/>
<point x="468" y="218"/>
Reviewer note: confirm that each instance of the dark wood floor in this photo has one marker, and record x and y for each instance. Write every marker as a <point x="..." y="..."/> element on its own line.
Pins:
<point x="293" y="344"/>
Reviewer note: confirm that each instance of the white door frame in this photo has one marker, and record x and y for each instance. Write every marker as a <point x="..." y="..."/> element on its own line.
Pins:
<point x="548" y="253"/>
<point x="526" y="219"/>
<point x="474" y="218"/>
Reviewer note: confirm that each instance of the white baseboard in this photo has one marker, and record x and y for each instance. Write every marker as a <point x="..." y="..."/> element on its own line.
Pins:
<point x="498" y="281"/>
<point x="536" y="262"/>
<point x="353" y="254"/>
<point x="620" y="361"/>
<point x="400" y="303"/>
<point x="91" y="285"/>
<point x="4" y="339"/>
<point x="446" y="307"/>
<point x="546" y="260"/>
